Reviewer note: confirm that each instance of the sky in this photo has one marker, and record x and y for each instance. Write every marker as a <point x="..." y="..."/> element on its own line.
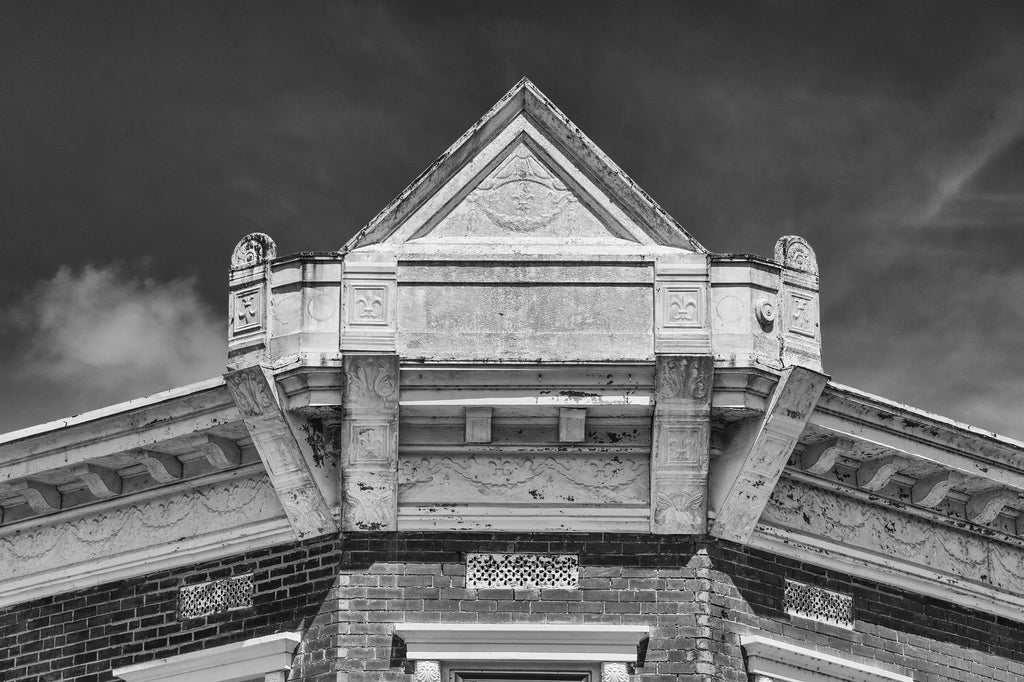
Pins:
<point x="140" y="140"/>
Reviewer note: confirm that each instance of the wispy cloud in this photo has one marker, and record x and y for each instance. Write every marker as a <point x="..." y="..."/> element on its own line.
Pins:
<point x="101" y="334"/>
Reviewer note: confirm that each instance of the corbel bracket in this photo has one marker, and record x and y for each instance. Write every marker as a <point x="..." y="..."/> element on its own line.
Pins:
<point x="819" y="458"/>
<point x="40" y="497"/>
<point x="985" y="506"/>
<point x="743" y="478"/>
<point x="931" y="490"/>
<point x="255" y="394"/>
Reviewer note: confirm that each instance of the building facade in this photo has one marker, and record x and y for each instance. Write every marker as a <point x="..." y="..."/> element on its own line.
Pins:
<point x="522" y="426"/>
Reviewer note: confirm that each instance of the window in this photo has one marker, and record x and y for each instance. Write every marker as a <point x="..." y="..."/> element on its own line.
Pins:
<point x="521" y="652"/>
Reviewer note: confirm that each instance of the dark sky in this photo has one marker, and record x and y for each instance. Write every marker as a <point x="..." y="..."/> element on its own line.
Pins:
<point x="139" y="141"/>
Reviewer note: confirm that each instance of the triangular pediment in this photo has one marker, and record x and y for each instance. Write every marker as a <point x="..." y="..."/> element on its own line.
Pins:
<point x="523" y="196"/>
<point x="524" y="174"/>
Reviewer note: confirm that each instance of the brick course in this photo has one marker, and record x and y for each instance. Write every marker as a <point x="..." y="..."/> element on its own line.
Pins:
<point x="345" y="595"/>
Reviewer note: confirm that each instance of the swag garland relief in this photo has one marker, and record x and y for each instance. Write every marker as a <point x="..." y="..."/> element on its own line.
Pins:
<point x="892" y="534"/>
<point x="197" y="512"/>
<point x="591" y="479"/>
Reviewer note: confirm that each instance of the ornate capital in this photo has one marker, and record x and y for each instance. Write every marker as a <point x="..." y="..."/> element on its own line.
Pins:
<point x="614" y="672"/>
<point x="427" y="671"/>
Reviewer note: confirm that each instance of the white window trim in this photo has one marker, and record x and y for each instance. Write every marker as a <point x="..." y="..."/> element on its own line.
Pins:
<point x="521" y="642"/>
<point x="246" y="660"/>
<point x="783" y="662"/>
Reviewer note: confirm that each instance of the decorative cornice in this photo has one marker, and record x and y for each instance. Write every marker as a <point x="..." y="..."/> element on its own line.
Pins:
<point x="883" y="544"/>
<point x="135" y="424"/>
<point x="212" y="521"/>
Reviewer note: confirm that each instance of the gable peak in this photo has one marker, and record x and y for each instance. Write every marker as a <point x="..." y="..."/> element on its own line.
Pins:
<point x="525" y="99"/>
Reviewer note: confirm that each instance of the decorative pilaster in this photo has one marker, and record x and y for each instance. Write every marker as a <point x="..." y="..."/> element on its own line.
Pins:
<point x="369" y="443"/>
<point x="801" y="334"/>
<point x="679" y="450"/>
<point x="255" y="393"/>
<point x="248" y="299"/>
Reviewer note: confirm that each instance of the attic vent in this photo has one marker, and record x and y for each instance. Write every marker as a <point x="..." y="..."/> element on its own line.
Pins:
<point x="522" y="571"/>
<point x="217" y="596"/>
<point x="815" y="603"/>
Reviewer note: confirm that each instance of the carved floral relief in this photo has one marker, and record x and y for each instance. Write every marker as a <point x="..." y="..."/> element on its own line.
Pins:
<point x="681" y="446"/>
<point x="683" y="307"/>
<point x="253" y="249"/>
<point x="882" y="529"/>
<point x="521" y="195"/>
<point x="251" y="391"/>
<point x="371" y="379"/>
<point x="247" y="306"/>
<point x="370" y="500"/>
<point x="683" y="377"/>
<point x="681" y="507"/>
<point x="796" y="254"/>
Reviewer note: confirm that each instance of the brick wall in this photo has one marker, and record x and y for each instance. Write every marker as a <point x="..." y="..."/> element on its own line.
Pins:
<point x="934" y="640"/>
<point x="345" y="596"/>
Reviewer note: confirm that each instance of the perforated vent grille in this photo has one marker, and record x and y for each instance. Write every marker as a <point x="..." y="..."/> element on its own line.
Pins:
<point x="808" y="601"/>
<point x="216" y="596"/>
<point x="523" y="571"/>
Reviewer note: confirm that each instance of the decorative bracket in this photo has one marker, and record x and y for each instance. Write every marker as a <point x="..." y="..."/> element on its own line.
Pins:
<point x="929" y="491"/>
<point x="876" y="474"/>
<point x="220" y="452"/>
<point x="819" y="458"/>
<point x="163" y="468"/>
<point x="101" y="482"/>
<point x="255" y="394"/>
<point x="40" y="497"/>
<point x="744" y="477"/>
<point x="984" y="507"/>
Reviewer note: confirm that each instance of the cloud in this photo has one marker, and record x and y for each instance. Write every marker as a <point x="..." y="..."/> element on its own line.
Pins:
<point x="98" y="335"/>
